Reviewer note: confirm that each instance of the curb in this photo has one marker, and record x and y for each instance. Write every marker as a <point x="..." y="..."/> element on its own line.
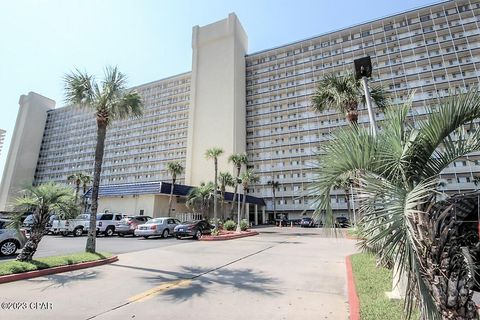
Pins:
<point x="60" y="269"/>
<point x="352" y="292"/>
<point x="229" y="236"/>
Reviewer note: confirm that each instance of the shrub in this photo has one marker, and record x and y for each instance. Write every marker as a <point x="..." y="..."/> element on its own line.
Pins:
<point x="244" y="225"/>
<point x="230" y="225"/>
<point x="217" y="223"/>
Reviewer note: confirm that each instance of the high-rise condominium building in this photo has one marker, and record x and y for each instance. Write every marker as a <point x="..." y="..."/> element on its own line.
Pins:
<point x="2" y="138"/>
<point x="261" y="103"/>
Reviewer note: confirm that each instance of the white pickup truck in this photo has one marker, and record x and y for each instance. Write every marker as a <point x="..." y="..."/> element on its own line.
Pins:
<point x="77" y="226"/>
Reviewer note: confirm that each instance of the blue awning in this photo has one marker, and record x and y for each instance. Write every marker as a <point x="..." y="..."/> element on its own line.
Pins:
<point x="157" y="187"/>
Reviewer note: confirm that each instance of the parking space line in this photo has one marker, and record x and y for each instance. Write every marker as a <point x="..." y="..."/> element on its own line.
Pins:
<point x="159" y="289"/>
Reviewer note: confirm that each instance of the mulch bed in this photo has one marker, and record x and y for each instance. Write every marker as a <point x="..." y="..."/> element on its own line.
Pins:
<point x="228" y="235"/>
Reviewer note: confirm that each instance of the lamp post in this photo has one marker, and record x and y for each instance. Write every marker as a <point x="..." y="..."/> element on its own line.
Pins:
<point x="239" y="181"/>
<point x="363" y="71"/>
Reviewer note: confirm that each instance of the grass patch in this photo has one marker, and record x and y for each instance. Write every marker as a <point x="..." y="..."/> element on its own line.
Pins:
<point x="11" y="267"/>
<point x="372" y="282"/>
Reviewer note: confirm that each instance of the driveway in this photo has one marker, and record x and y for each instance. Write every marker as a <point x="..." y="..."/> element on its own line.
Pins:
<point x="282" y="273"/>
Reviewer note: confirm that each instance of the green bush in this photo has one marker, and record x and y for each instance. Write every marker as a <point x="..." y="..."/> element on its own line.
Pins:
<point x="229" y="225"/>
<point x="244" y="225"/>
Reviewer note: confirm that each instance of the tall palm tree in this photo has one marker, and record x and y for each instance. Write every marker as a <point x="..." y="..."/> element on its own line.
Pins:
<point x="174" y="168"/>
<point x="275" y="185"/>
<point x="238" y="160"/>
<point x="344" y="183"/>
<point x="86" y="180"/>
<point x="214" y="153"/>
<point x="42" y="200"/>
<point x="398" y="173"/>
<point x="200" y="197"/>
<point x="78" y="178"/>
<point x="111" y="101"/>
<point x="345" y="93"/>
<point x="226" y="180"/>
<point x="248" y="177"/>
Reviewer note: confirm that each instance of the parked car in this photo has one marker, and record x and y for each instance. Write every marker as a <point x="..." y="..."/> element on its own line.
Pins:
<point x="157" y="227"/>
<point x="342" y="222"/>
<point x="76" y="227"/>
<point x="129" y="224"/>
<point x="193" y="229"/>
<point x="307" y="222"/>
<point x="107" y="222"/>
<point x="10" y="239"/>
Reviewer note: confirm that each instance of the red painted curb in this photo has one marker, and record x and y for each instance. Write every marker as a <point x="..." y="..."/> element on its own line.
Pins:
<point x="229" y="236"/>
<point x="60" y="269"/>
<point x="352" y="292"/>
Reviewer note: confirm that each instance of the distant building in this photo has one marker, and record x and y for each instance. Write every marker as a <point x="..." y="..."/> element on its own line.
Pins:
<point x="2" y="138"/>
<point x="257" y="103"/>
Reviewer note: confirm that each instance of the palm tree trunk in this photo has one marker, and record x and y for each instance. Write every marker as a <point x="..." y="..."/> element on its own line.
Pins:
<point x="347" y="197"/>
<point x="99" y="151"/>
<point x="171" y="197"/>
<point x="235" y="191"/>
<point x="77" y="190"/>
<point x="274" y="205"/>
<point x="31" y="246"/>
<point x="215" y="192"/>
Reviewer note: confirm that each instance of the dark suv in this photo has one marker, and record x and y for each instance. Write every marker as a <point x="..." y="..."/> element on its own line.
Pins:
<point x="342" y="222"/>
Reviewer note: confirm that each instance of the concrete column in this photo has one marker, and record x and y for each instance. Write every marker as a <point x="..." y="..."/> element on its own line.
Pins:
<point x="217" y="93"/>
<point x="256" y="214"/>
<point x="247" y="212"/>
<point x="25" y="146"/>
<point x="264" y="218"/>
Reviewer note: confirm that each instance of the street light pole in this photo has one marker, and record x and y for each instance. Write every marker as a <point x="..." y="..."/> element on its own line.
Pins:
<point x="363" y="70"/>
<point x="368" y="99"/>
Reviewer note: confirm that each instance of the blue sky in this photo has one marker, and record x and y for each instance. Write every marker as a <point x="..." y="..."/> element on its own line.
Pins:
<point x="41" y="40"/>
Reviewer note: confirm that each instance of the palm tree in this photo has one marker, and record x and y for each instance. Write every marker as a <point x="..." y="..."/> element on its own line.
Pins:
<point x="344" y="182"/>
<point x="345" y="93"/>
<point x="214" y="153"/>
<point x="248" y="177"/>
<point x="174" y="168"/>
<point x="42" y="200"/>
<point x="226" y="180"/>
<point x="238" y="159"/>
<point x="77" y="178"/>
<point x="200" y="197"/>
<point x="86" y="180"/>
<point x="398" y="172"/>
<point x="275" y="185"/>
<point x="111" y="101"/>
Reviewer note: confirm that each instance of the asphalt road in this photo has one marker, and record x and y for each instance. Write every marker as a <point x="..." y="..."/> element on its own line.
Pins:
<point x="57" y="245"/>
<point x="279" y="274"/>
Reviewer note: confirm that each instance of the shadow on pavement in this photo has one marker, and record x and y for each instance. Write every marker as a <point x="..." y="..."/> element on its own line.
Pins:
<point x="244" y="279"/>
<point x="61" y="279"/>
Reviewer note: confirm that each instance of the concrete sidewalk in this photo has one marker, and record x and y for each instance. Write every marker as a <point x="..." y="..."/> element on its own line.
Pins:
<point x="280" y="274"/>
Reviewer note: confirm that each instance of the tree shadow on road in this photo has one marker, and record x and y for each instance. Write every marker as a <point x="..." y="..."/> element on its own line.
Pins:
<point x="203" y="279"/>
<point x="61" y="279"/>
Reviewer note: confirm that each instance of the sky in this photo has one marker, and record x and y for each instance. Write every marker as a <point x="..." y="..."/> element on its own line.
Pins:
<point x="41" y="40"/>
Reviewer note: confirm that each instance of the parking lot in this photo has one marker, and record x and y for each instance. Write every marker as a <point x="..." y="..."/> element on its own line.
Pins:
<point x="283" y="273"/>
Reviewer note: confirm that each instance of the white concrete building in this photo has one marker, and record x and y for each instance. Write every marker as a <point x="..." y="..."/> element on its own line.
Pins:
<point x="260" y="103"/>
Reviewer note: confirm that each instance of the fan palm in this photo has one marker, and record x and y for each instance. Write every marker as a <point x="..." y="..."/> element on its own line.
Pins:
<point x="199" y="197"/>
<point x="345" y="93"/>
<point x="275" y="185"/>
<point x="111" y="101"/>
<point x="226" y="180"/>
<point x="78" y="178"/>
<point x="174" y="168"/>
<point x="238" y="160"/>
<point x="248" y="177"/>
<point x="43" y="200"/>
<point x="397" y="174"/>
<point x="214" y="153"/>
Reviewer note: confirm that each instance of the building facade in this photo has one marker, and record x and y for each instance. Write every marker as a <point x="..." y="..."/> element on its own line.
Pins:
<point x="260" y="103"/>
<point x="2" y="138"/>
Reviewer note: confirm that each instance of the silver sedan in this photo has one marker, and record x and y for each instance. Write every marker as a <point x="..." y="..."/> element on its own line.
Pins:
<point x="157" y="227"/>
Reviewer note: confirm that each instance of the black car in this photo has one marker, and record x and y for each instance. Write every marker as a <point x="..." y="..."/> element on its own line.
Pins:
<point x="193" y="229"/>
<point x="342" y="222"/>
<point x="307" y="222"/>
